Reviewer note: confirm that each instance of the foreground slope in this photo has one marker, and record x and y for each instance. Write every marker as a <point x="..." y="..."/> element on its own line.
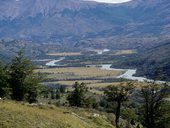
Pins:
<point x="17" y="115"/>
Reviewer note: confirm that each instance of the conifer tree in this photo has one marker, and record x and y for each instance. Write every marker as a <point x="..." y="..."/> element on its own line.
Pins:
<point x="24" y="83"/>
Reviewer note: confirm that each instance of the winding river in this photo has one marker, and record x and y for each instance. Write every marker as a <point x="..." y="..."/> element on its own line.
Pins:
<point x="100" y="52"/>
<point x="54" y="62"/>
<point x="129" y="73"/>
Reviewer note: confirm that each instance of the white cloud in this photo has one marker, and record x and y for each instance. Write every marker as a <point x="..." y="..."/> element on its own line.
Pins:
<point x="110" y="1"/>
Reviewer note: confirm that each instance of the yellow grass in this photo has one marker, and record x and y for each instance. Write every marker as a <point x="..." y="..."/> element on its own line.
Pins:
<point x="81" y="71"/>
<point x="65" y="54"/>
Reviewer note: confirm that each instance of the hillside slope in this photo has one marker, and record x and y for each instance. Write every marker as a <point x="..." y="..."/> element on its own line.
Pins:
<point x="153" y="63"/>
<point x="17" y="115"/>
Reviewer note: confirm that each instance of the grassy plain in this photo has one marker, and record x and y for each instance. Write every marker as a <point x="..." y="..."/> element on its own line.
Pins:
<point x="85" y="72"/>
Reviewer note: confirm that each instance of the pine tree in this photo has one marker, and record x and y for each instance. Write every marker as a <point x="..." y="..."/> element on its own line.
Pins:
<point x="23" y="81"/>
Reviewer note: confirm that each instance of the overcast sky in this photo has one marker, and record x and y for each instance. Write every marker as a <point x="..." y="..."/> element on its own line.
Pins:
<point x="110" y="1"/>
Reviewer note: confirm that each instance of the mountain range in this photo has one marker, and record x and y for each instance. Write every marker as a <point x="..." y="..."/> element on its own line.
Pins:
<point x="78" y="23"/>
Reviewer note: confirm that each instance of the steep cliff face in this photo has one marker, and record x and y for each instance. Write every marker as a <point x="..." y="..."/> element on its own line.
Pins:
<point x="77" y="21"/>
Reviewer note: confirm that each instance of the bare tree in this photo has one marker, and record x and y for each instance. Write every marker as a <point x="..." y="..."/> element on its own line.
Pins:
<point x="153" y="98"/>
<point x="118" y="94"/>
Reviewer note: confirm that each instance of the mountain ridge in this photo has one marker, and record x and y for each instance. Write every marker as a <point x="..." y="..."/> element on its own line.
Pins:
<point x="72" y="22"/>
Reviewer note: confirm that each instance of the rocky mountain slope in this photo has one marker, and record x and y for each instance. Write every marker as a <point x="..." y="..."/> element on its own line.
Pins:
<point x="81" y="23"/>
